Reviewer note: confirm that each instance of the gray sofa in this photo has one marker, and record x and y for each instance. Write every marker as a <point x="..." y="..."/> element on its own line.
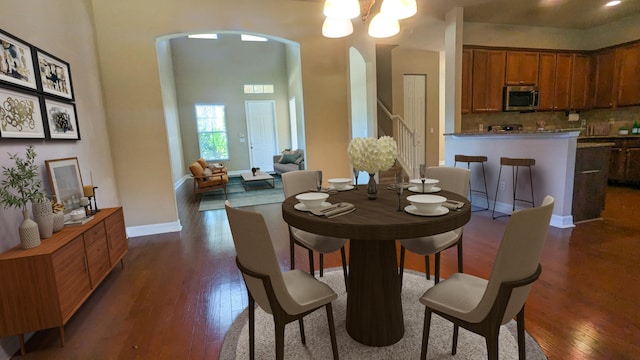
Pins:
<point x="281" y="168"/>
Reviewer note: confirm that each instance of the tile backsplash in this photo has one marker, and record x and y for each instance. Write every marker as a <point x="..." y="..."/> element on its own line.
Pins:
<point x="623" y="116"/>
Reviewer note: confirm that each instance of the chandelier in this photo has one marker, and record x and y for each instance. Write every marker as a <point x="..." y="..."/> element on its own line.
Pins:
<point x="384" y="24"/>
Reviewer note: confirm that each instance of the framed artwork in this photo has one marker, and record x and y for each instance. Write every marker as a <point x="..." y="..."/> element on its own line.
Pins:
<point x="20" y="115"/>
<point x="61" y="118"/>
<point x="54" y="75"/>
<point x="16" y="62"/>
<point x="64" y="178"/>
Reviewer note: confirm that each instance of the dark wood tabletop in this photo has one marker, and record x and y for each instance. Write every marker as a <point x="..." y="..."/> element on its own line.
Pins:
<point x="374" y="307"/>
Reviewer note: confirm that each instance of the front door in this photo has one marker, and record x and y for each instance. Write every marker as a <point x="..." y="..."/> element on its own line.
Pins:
<point x="261" y="131"/>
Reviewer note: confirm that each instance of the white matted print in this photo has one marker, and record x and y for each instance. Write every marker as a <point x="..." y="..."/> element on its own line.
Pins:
<point x="20" y="115"/>
<point x="55" y="75"/>
<point x="64" y="177"/>
<point x="16" y="62"/>
<point x="61" y="119"/>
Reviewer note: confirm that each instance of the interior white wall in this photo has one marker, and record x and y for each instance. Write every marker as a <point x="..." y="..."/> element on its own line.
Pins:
<point x="453" y="69"/>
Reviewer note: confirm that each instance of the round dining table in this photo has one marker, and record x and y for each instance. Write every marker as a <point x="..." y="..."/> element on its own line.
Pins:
<point x="374" y="306"/>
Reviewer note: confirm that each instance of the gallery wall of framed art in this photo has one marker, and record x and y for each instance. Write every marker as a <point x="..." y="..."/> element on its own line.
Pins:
<point x="36" y="93"/>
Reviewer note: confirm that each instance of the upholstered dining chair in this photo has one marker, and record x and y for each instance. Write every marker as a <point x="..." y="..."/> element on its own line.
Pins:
<point x="289" y="295"/>
<point x="451" y="179"/>
<point x="296" y="182"/>
<point x="480" y="305"/>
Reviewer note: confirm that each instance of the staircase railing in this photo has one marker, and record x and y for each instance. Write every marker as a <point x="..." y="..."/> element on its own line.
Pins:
<point x="405" y="138"/>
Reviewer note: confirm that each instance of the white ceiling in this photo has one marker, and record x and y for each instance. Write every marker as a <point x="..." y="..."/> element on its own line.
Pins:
<point x="567" y="14"/>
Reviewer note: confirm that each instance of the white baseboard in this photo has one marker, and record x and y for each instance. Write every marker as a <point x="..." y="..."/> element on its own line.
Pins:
<point x="144" y="230"/>
<point x="557" y="221"/>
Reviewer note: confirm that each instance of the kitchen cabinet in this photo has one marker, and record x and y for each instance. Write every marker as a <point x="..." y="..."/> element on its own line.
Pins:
<point x="629" y="84"/>
<point x="521" y="68"/>
<point x="562" y="88"/>
<point x="44" y="286"/>
<point x="546" y="81"/>
<point x="624" y="160"/>
<point x="604" y="78"/>
<point x="467" y="75"/>
<point x="488" y="80"/>
<point x="580" y="71"/>
<point x="590" y="180"/>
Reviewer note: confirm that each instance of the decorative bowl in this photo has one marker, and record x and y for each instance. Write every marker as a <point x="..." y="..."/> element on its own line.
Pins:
<point x="312" y="200"/>
<point x="428" y="183"/>
<point x="77" y="214"/>
<point x="340" y="183"/>
<point x="426" y="203"/>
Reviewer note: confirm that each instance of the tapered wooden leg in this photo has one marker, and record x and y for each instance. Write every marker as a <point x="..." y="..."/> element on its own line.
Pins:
<point x="454" y="345"/>
<point x="279" y="340"/>
<point x="61" y="336"/>
<point x="437" y="269"/>
<point x="521" y="343"/>
<point x="321" y="264"/>
<point x="122" y="263"/>
<point x="425" y="333"/>
<point x="492" y="344"/>
<point x="460" y="255"/>
<point x="303" y="338"/>
<point x="312" y="269"/>
<point x="252" y="329"/>
<point x="332" y="331"/>
<point x="427" y="267"/>
<point x="23" y="348"/>
<point x="292" y="252"/>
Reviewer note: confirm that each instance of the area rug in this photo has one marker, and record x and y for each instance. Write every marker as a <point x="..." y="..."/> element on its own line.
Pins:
<point x="257" y="193"/>
<point x="470" y="345"/>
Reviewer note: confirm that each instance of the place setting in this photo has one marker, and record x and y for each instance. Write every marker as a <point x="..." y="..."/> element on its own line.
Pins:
<point x="423" y="185"/>
<point x="315" y="203"/>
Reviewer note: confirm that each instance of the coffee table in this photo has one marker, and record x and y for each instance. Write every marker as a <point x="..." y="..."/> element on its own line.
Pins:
<point x="249" y="177"/>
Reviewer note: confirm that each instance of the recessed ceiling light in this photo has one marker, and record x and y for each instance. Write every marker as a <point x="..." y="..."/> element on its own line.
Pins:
<point x="203" y="36"/>
<point x="613" y="3"/>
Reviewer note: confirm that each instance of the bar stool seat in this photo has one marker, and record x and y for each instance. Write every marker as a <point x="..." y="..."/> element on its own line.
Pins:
<point x="474" y="159"/>
<point x="515" y="164"/>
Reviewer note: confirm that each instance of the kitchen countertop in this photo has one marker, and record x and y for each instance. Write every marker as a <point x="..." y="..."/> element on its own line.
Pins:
<point x="595" y="137"/>
<point x="517" y="132"/>
<point x="594" y="145"/>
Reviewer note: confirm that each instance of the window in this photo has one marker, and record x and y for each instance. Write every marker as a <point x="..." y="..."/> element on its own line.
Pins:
<point x="258" y="89"/>
<point x="212" y="132"/>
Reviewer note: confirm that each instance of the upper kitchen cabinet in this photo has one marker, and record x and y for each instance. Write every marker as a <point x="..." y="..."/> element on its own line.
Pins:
<point x="488" y="80"/>
<point x="629" y="84"/>
<point x="562" y="87"/>
<point x="546" y="81"/>
<point x="522" y="68"/>
<point x="467" y="75"/>
<point x="604" y="78"/>
<point x="580" y="72"/>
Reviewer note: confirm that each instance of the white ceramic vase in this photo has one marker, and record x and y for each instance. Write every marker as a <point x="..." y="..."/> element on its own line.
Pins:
<point x="29" y="233"/>
<point x="43" y="216"/>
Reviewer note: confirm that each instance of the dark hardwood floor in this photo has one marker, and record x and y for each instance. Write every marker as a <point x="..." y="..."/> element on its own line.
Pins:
<point x="180" y="292"/>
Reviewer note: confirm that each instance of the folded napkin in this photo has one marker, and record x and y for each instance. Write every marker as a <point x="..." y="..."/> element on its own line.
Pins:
<point x="341" y="208"/>
<point x="453" y="204"/>
<point x="327" y="190"/>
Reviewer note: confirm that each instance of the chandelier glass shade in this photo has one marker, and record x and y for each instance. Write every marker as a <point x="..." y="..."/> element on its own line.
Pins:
<point x="399" y="9"/>
<point x="383" y="26"/>
<point x="336" y="28"/>
<point x="342" y="9"/>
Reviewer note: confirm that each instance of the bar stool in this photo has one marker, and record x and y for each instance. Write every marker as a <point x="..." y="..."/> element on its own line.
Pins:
<point x="474" y="159"/>
<point x="515" y="164"/>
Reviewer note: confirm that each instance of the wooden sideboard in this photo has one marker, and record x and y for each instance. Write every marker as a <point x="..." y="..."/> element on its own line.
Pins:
<point x="43" y="287"/>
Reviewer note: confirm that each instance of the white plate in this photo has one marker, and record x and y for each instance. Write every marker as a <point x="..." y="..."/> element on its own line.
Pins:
<point x="418" y="189"/>
<point x="349" y="187"/>
<point x="302" y="207"/>
<point x="441" y="210"/>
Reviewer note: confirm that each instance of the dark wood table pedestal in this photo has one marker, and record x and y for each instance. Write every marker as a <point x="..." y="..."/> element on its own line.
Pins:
<point x="374" y="304"/>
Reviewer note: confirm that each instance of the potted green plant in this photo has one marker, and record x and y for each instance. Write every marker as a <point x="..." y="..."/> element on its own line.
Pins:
<point x="21" y="185"/>
<point x="623" y="130"/>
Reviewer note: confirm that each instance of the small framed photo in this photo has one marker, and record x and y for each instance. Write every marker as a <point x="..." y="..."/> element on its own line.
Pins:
<point x="16" y="62"/>
<point x="62" y="120"/>
<point x="54" y="75"/>
<point x="20" y="115"/>
<point x="64" y="178"/>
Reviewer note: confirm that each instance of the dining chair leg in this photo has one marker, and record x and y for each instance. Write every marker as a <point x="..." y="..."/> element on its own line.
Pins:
<point x="460" y="254"/>
<point x="279" y="325"/>
<point x="321" y="264"/>
<point x="252" y="328"/>
<point x="402" y="250"/>
<point x="521" y="342"/>
<point x="427" y="267"/>
<point x="332" y="331"/>
<point x="343" y="255"/>
<point x="312" y="269"/>
<point x="425" y="333"/>
<point x="454" y="344"/>
<point x="303" y="338"/>
<point x="292" y="252"/>
<point x="492" y="345"/>
<point x="436" y="271"/>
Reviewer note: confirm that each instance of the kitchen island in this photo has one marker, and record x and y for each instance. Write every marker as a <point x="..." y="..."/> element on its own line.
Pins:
<point x="553" y="173"/>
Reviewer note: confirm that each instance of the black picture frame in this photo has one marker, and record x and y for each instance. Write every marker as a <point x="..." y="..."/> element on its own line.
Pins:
<point x="20" y="114"/>
<point x="17" y="67"/>
<point x="54" y="75"/>
<point x="61" y="119"/>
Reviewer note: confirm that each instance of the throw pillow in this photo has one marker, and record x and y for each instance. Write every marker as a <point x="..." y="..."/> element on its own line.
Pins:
<point x="289" y="158"/>
<point x="206" y="173"/>
<point x="299" y="159"/>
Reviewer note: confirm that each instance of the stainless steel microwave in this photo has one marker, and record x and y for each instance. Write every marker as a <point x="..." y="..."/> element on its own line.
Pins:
<point x="520" y="98"/>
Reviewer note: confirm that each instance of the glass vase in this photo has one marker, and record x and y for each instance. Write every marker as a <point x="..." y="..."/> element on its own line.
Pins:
<point x="372" y="188"/>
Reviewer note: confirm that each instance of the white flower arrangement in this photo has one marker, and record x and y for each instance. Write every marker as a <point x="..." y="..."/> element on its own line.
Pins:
<point x="372" y="155"/>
